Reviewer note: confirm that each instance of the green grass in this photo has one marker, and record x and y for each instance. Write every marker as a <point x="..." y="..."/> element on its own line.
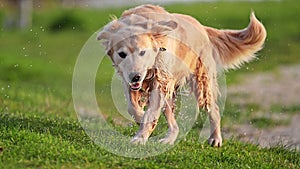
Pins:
<point x="38" y="125"/>
<point x="267" y="122"/>
<point x="32" y="141"/>
<point x="285" y="109"/>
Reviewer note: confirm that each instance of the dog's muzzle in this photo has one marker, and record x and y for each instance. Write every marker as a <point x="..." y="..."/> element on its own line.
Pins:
<point x="137" y="80"/>
<point x="135" y="83"/>
<point x="135" y="86"/>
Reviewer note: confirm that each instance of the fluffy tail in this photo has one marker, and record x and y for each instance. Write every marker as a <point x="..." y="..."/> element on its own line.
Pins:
<point x="232" y="48"/>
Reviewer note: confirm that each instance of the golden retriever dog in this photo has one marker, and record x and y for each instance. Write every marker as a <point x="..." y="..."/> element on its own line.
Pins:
<point x="156" y="53"/>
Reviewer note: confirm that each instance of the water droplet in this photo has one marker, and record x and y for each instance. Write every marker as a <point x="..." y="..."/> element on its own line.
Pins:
<point x="30" y="30"/>
<point x="8" y="86"/>
<point x="23" y="48"/>
<point x="7" y="96"/>
<point x="16" y="65"/>
<point x="39" y="45"/>
<point x="73" y="27"/>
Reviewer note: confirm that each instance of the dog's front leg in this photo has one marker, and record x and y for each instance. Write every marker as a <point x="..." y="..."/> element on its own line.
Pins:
<point x="173" y="130"/>
<point x="134" y="109"/>
<point x="150" y="118"/>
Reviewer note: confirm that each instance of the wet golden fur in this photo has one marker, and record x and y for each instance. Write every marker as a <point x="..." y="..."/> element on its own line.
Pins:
<point x="167" y="51"/>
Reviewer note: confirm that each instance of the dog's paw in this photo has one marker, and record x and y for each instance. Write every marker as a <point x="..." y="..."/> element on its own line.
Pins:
<point x="215" y="141"/>
<point x="167" y="140"/>
<point x="138" y="140"/>
<point x="170" y="137"/>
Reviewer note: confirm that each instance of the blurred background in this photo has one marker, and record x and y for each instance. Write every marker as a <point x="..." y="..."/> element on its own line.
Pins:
<point x="40" y="42"/>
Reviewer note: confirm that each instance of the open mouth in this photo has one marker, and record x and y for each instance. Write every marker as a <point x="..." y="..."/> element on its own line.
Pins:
<point x="135" y="86"/>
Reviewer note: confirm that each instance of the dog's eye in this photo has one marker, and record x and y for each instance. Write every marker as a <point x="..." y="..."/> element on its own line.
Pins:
<point x="122" y="55"/>
<point x="142" y="53"/>
<point x="162" y="49"/>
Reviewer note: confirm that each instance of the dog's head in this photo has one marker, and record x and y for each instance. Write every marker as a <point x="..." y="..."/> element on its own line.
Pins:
<point x="132" y="43"/>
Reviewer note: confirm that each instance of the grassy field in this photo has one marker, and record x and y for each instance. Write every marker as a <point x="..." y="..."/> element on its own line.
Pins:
<point x="38" y="125"/>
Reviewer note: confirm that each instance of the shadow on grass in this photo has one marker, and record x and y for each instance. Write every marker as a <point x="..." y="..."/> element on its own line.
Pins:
<point x="71" y="131"/>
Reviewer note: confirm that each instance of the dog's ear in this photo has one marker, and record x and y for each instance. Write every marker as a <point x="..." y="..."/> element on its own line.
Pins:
<point x="162" y="28"/>
<point x="103" y="35"/>
<point x="110" y="28"/>
<point x="106" y="34"/>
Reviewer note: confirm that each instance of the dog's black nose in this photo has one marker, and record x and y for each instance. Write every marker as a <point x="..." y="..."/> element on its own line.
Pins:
<point x="135" y="77"/>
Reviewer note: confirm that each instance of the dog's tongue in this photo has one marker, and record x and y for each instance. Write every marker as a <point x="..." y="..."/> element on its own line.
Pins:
<point x="135" y="86"/>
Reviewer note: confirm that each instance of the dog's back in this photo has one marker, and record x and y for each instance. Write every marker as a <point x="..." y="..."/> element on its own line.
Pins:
<point x="230" y="48"/>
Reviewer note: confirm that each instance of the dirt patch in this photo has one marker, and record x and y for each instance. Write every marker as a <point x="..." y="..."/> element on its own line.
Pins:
<point x="266" y="89"/>
<point x="281" y="88"/>
<point x="287" y="136"/>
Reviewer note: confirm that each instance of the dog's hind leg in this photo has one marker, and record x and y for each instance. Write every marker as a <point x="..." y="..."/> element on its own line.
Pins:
<point x="205" y="90"/>
<point x="173" y="128"/>
<point x="215" y="139"/>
